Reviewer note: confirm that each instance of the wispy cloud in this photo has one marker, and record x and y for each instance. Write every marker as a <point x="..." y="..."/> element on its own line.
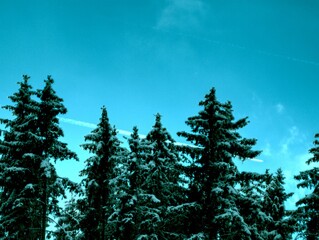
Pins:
<point x="293" y="137"/>
<point x="267" y="150"/>
<point x="291" y="183"/>
<point x="181" y="14"/>
<point x="279" y="108"/>
<point x="292" y="154"/>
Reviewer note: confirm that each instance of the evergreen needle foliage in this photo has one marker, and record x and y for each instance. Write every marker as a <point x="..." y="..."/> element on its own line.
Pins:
<point x="30" y="186"/>
<point x="307" y="213"/>
<point x="101" y="178"/>
<point x="213" y="173"/>
<point x="153" y="189"/>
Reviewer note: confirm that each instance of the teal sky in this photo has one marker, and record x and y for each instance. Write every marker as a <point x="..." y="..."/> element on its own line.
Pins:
<point x="142" y="57"/>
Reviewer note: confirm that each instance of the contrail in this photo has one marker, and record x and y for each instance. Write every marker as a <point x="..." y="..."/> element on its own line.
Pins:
<point x="77" y="123"/>
<point x="126" y="133"/>
<point x="293" y="59"/>
<point x="241" y="47"/>
<point x="92" y="126"/>
<point x="256" y="160"/>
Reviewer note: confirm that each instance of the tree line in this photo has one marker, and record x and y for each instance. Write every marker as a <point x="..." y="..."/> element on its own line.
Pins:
<point x="152" y="189"/>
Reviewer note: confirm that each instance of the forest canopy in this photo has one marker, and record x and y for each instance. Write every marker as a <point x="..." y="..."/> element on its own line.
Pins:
<point x="152" y="189"/>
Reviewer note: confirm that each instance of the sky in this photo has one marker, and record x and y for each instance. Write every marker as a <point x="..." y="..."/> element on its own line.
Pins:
<point x="139" y="58"/>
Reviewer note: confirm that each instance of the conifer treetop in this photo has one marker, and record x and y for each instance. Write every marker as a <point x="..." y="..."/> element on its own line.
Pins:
<point x="214" y="127"/>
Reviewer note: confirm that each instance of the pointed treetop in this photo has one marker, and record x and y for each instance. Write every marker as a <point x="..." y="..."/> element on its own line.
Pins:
<point x="104" y="120"/>
<point x="158" y="132"/>
<point x="25" y="79"/>
<point x="158" y="117"/>
<point x="280" y="175"/>
<point x="133" y="141"/>
<point x="104" y="112"/>
<point x="135" y="134"/>
<point x="210" y="97"/>
<point x="49" y="98"/>
<point x="156" y="127"/>
<point x="25" y="88"/>
<point x="48" y="85"/>
<point x="49" y="79"/>
<point x="23" y="102"/>
<point x="268" y="177"/>
<point x="158" y="121"/>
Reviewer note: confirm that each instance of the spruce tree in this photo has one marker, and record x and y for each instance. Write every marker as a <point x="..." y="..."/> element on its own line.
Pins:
<point x="51" y="186"/>
<point x="29" y="183"/>
<point x="252" y="191"/>
<point x="151" y="199"/>
<point x="213" y="173"/>
<point x="19" y="163"/>
<point x="133" y="206"/>
<point x="281" y="225"/>
<point x="152" y="190"/>
<point x="307" y="212"/>
<point x="68" y="223"/>
<point x="164" y="181"/>
<point x="99" y="174"/>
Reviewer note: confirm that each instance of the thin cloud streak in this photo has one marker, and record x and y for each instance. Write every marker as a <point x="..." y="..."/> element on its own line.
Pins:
<point x="240" y="47"/>
<point x="92" y="126"/>
<point x="125" y="133"/>
<point x="256" y="160"/>
<point x="77" y="123"/>
<point x="181" y="14"/>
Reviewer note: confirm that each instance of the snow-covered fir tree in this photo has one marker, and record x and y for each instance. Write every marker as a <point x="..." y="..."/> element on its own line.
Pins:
<point x="19" y="163"/>
<point x="51" y="186"/>
<point x="153" y="190"/>
<point x="29" y="146"/>
<point x="213" y="172"/>
<point x="281" y="225"/>
<point x="68" y="223"/>
<point x="252" y="190"/>
<point x="164" y="182"/>
<point x="100" y="176"/>
<point x="307" y="213"/>
<point x="133" y="208"/>
<point x="152" y="201"/>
